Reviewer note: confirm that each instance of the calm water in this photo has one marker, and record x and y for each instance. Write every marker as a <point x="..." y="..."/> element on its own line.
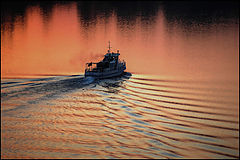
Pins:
<point x="178" y="98"/>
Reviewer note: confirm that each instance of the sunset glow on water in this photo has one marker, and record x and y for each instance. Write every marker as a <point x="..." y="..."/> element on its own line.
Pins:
<point x="178" y="99"/>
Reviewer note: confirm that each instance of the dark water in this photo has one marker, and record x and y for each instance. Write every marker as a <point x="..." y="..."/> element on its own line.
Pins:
<point x="178" y="99"/>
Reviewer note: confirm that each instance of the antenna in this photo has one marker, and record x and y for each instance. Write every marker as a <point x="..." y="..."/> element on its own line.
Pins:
<point x="109" y="47"/>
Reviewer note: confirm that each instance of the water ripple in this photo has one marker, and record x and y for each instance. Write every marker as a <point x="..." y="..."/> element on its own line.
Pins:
<point x="118" y="118"/>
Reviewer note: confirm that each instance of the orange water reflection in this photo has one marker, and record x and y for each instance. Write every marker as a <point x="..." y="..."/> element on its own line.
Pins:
<point x="64" y="42"/>
<point x="162" y="111"/>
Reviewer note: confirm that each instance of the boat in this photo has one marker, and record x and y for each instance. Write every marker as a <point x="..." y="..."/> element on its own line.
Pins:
<point x="110" y="66"/>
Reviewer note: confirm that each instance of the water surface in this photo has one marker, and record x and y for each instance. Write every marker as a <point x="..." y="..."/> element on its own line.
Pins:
<point x="178" y="99"/>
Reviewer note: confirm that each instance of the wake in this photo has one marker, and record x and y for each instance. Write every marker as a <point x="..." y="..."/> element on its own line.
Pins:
<point x="88" y="80"/>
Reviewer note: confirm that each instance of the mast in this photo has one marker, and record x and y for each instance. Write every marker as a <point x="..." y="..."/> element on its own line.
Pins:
<point x="109" y="47"/>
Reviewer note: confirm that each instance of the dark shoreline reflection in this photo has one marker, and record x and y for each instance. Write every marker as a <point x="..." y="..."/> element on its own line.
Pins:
<point x="201" y="12"/>
<point x="185" y="12"/>
<point x="191" y="16"/>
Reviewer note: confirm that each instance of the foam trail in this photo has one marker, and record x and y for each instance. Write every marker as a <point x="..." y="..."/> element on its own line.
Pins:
<point x="88" y="80"/>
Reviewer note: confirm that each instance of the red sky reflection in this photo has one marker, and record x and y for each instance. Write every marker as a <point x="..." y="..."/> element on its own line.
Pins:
<point x="62" y="43"/>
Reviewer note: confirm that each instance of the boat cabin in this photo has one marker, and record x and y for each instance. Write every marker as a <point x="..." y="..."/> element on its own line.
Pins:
<point x="109" y="62"/>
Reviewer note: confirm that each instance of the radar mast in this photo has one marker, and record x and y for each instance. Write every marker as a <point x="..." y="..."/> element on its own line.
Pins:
<point x="109" y="47"/>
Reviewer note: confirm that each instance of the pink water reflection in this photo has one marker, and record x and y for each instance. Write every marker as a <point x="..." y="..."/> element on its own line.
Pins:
<point x="64" y="43"/>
